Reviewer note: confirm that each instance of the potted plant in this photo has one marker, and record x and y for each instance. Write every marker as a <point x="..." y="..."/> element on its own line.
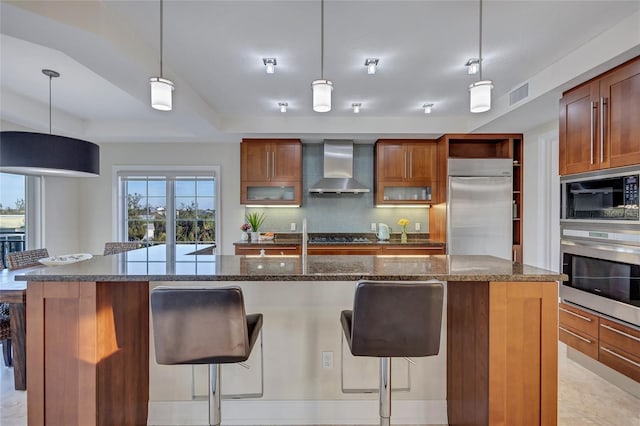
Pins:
<point x="255" y="219"/>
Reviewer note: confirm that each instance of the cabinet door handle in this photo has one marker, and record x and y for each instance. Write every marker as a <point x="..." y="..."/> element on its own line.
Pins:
<point x="404" y="171"/>
<point x="575" y="315"/>
<point x="575" y="335"/>
<point x="273" y="164"/>
<point x="617" y="355"/>
<point x="603" y="102"/>
<point x="515" y="255"/>
<point x="615" y="330"/>
<point x="267" y="164"/>
<point x="594" y="107"/>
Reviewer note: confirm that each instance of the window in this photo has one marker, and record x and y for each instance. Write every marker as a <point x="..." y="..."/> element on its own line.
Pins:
<point x="13" y="213"/>
<point x="174" y="215"/>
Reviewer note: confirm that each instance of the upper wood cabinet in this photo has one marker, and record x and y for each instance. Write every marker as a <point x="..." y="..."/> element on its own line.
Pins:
<point x="405" y="171"/>
<point x="599" y="126"/>
<point x="271" y="171"/>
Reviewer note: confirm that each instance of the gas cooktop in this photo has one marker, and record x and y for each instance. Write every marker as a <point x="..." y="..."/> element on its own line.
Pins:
<point x="339" y="239"/>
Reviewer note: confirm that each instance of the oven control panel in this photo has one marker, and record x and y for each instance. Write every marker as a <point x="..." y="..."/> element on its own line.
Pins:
<point x="631" y="191"/>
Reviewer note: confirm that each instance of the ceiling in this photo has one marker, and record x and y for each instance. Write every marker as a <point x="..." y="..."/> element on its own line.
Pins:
<point x="106" y="51"/>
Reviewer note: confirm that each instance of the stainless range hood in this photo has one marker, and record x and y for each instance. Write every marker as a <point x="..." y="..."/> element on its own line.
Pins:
<point x="338" y="170"/>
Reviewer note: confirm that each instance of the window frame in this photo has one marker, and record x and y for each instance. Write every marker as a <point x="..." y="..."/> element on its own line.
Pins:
<point x="119" y="230"/>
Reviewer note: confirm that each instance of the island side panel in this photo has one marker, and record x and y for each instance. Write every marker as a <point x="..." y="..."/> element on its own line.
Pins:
<point x="467" y="352"/>
<point x="123" y="353"/>
<point x="523" y="353"/>
<point x="81" y="336"/>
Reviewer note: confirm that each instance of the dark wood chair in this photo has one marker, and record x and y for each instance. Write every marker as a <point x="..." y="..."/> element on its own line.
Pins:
<point x="5" y="330"/>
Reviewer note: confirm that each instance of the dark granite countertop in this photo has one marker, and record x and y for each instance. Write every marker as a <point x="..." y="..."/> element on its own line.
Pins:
<point x="124" y="267"/>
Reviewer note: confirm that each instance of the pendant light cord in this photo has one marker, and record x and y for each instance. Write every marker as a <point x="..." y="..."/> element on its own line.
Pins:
<point x="161" y="31"/>
<point x="50" y="78"/>
<point x="480" y="42"/>
<point x="322" y="39"/>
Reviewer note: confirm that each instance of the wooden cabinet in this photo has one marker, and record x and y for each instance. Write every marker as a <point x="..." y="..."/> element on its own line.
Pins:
<point x="578" y="329"/>
<point x="619" y="348"/>
<point x="340" y="249"/>
<point x="292" y="249"/>
<point x="502" y="359"/>
<point x="271" y="171"/>
<point x="599" y="128"/>
<point x="389" y="250"/>
<point x="613" y="344"/>
<point x="405" y="171"/>
<point x="401" y="250"/>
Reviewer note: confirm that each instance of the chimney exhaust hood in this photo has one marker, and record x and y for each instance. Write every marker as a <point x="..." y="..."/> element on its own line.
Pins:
<point x="338" y="170"/>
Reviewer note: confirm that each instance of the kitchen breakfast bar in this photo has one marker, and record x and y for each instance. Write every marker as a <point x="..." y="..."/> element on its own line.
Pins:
<point x="90" y="357"/>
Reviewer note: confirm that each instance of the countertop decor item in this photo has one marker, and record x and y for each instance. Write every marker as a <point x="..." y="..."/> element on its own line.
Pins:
<point x="245" y="228"/>
<point x="65" y="259"/>
<point x="403" y="222"/>
<point x="255" y="219"/>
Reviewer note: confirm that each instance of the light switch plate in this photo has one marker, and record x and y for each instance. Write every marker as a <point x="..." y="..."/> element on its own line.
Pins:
<point x="373" y="226"/>
<point x="293" y="226"/>
<point x="417" y="226"/>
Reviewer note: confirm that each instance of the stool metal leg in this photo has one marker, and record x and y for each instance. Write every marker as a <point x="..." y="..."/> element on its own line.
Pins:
<point x="214" y="394"/>
<point x="385" y="391"/>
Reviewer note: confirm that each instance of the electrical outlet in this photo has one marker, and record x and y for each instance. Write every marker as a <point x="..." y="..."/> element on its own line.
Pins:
<point x="373" y="226"/>
<point x="327" y="359"/>
<point x="293" y="226"/>
<point x="417" y="226"/>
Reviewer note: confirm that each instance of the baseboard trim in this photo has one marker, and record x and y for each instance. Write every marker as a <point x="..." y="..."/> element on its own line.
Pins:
<point x="236" y="412"/>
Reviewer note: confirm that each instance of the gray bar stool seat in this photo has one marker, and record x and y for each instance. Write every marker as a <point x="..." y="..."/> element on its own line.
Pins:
<point x="203" y="326"/>
<point x="393" y="319"/>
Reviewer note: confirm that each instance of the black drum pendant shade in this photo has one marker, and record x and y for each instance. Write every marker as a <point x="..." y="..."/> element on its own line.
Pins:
<point x="44" y="154"/>
<point x="41" y="154"/>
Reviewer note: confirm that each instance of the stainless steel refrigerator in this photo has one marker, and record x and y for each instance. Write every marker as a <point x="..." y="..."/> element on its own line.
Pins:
<point x="480" y="206"/>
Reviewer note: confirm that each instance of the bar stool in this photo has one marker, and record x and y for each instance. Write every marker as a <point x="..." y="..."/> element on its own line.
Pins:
<point x="393" y="319"/>
<point x="203" y="326"/>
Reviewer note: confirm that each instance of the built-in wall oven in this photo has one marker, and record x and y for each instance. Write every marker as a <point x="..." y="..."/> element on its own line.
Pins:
<point x="603" y="265"/>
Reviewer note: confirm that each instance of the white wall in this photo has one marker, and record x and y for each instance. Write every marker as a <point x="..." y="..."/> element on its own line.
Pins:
<point x="541" y="197"/>
<point x="97" y="197"/>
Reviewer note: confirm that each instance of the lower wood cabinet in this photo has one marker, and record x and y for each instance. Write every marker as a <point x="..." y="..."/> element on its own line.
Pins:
<point x="619" y="348"/>
<point x="578" y="329"/>
<point x="337" y="249"/>
<point x="293" y="249"/>
<point x="414" y="250"/>
<point x="613" y="344"/>
<point x="502" y="358"/>
<point x="88" y="353"/>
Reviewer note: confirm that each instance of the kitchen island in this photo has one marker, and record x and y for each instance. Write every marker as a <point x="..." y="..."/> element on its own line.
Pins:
<point x="89" y="351"/>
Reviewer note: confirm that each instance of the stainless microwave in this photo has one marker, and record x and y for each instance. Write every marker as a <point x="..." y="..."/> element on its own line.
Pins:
<point x="601" y="197"/>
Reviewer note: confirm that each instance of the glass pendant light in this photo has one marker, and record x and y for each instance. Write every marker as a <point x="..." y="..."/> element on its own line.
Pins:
<point x="480" y="91"/>
<point x="322" y="88"/>
<point x="161" y="88"/>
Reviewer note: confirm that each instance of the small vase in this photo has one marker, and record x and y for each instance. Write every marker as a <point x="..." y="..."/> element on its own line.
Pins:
<point x="255" y="236"/>
<point x="245" y="236"/>
<point x="403" y="237"/>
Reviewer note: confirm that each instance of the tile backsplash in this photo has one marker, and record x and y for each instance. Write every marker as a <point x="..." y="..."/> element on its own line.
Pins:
<point x="339" y="212"/>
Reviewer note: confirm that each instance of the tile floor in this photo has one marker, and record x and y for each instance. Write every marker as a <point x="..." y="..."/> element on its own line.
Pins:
<point x="585" y="399"/>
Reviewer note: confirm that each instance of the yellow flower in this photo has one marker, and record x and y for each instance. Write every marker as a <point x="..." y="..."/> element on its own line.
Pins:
<point x="403" y="222"/>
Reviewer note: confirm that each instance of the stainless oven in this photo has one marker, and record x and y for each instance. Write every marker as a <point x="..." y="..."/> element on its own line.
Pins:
<point x="603" y="265"/>
<point x="603" y="197"/>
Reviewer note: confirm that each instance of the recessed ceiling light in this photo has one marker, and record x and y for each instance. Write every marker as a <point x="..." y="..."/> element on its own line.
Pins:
<point x="356" y="107"/>
<point x="270" y="64"/>
<point x="371" y="64"/>
<point x="472" y="65"/>
<point x="427" y="108"/>
<point x="283" y="106"/>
